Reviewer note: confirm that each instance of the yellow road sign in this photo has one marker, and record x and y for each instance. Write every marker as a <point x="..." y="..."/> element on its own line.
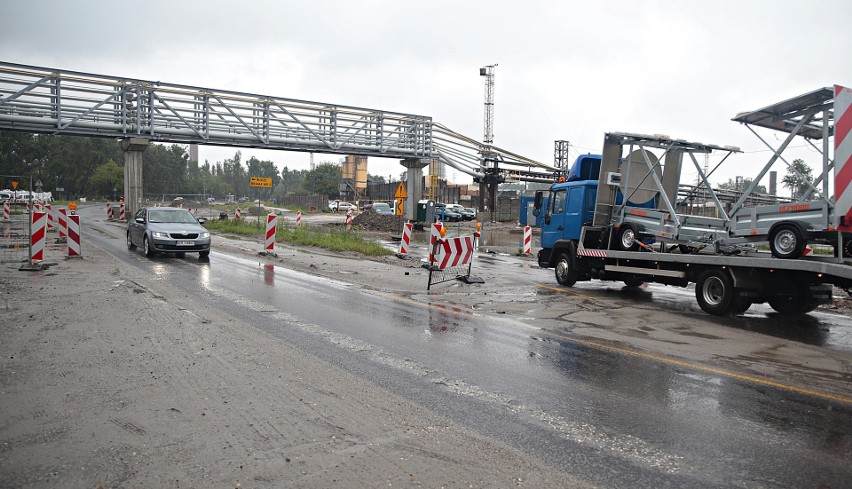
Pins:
<point x="400" y="207"/>
<point x="262" y="182"/>
<point x="400" y="191"/>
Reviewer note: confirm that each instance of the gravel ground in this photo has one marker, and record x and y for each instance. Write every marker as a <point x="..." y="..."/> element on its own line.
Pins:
<point x="93" y="395"/>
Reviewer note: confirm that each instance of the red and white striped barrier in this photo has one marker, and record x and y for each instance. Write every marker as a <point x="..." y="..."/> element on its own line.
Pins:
<point x="406" y="238"/>
<point x="271" y="225"/>
<point x="527" y="240"/>
<point x="39" y="223"/>
<point x="349" y="220"/>
<point x="237" y="214"/>
<point x="74" y="236"/>
<point x="455" y="252"/>
<point x="434" y="236"/>
<point x="6" y="211"/>
<point x="109" y="212"/>
<point x="49" y="209"/>
<point x="121" y="212"/>
<point x="298" y="218"/>
<point x="843" y="158"/>
<point x="62" y="222"/>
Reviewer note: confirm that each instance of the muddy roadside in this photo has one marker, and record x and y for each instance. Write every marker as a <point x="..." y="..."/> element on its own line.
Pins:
<point x="111" y="379"/>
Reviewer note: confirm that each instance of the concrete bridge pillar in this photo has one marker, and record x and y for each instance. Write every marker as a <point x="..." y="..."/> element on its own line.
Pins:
<point x="133" y="149"/>
<point x="414" y="184"/>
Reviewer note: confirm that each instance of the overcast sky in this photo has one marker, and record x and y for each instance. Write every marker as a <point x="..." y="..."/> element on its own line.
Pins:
<point x="567" y="70"/>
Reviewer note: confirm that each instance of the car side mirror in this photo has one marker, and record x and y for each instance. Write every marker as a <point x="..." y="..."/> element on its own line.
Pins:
<point x="140" y="220"/>
<point x="201" y="220"/>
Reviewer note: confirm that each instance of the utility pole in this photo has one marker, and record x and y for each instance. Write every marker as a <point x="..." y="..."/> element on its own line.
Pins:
<point x="489" y="161"/>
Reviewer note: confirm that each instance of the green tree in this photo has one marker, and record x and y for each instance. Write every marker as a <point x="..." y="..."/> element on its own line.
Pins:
<point x="798" y="178"/>
<point x="107" y="180"/>
<point x="731" y="184"/>
<point x="327" y="176"/>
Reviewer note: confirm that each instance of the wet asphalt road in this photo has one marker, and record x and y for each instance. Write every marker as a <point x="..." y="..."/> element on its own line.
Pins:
<point x="609" y="418"/>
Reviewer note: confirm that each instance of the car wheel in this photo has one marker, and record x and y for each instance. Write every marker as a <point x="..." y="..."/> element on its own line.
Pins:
<point x="130" y="245"/>
<point x="627" y="239"/>
<point x="203" y="254"/>
<point x="787" y="242"/>
<point x="149" y="252"/>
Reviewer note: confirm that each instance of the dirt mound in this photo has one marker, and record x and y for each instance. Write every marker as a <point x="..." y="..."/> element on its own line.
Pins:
<point x="371" y="221"/>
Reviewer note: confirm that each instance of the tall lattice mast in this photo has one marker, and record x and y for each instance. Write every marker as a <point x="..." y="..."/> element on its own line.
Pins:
<point x="488" y="73"/>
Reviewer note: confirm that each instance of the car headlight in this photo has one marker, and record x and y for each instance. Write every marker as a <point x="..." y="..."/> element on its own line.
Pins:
<point x="158" y="234"/>
<point x="204" y="235"/>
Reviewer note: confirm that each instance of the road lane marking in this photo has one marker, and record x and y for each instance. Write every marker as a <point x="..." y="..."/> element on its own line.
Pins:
<point x="692" y="366"/>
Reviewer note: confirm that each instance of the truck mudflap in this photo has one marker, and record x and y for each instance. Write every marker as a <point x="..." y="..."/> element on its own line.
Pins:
<point x="544" y="257"/>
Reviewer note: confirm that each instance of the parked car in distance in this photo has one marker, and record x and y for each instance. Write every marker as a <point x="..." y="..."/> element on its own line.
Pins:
<point x="342" y="206"/>
<point x="168" y="230"/>
<point x="446" y="214"/>
<point x="382" y="208"/>
<point x="468" y="214"/>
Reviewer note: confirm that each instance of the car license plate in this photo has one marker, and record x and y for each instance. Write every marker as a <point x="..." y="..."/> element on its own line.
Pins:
<point x="185" y="243"/>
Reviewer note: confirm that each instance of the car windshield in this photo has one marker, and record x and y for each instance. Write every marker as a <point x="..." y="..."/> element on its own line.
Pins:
<point x="179" y="216"/>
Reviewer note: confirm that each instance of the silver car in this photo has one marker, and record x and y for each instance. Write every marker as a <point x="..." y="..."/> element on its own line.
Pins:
<point x="168" y="230"/>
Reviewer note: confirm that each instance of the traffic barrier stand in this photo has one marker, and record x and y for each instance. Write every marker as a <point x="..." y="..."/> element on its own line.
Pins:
<point x="405" y="241"/>
<point x="452" y="259"/>
<point x="271" y="227"/>
<point x="39" y="230"/>
<point x="237" y="214"/>
<point x="74" y="250"/>
<point x="49" y="210"/>
<point x="349" y="220"/>
<point x="62" y="224"/>
<point x="527" y="240"/>
<point x="298" y="218"/>
<point x="109" y="212"/>
<point x="121" y="212"/>
<point x="435" y="234"/>
<point x="7" y="210"/>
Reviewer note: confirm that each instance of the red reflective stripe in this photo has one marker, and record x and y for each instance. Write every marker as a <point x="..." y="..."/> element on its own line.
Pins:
<point x="842" y="179"/>
<point x="842" y="127"/>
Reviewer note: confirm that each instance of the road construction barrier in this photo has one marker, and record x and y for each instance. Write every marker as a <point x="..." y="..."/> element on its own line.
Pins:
<point x="74" y="249"/>
<point x="405" y="242"/>
<point x="49" y="210"/>
<point x="349" y="220"/>
<point x="434" y="235"/>
<point x="452" y="259"/>
<point x="121" y="212"/>
<point x="527" y="240"/>
<point x="39" y="228"/>
<point x="62" y="222"/>
<point x="298" y="218"/>
<point x="7" y="210"/>
<point x="271" y="226"/>
<point x="109" y="212"/>
<point x="237" y="214"/>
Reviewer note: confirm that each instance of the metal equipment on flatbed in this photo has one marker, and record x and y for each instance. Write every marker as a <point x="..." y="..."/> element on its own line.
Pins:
<point x="615" y="219"/>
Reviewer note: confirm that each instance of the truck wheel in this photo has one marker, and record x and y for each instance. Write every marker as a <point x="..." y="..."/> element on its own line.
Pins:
<point x="787" y="242"/>
<point x="565" y="273"/>
<point x="715" y="292"/>
<point x="794" y="305"/>
<point x="627" y="239"/>
<point x="633" y="282"/>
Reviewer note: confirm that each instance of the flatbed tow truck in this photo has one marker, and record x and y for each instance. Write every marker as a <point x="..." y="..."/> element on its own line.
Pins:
<point x="614" y="219"/>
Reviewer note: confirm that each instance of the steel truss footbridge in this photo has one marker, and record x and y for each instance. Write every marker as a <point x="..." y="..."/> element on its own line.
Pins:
<point x="54" y="101"/>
